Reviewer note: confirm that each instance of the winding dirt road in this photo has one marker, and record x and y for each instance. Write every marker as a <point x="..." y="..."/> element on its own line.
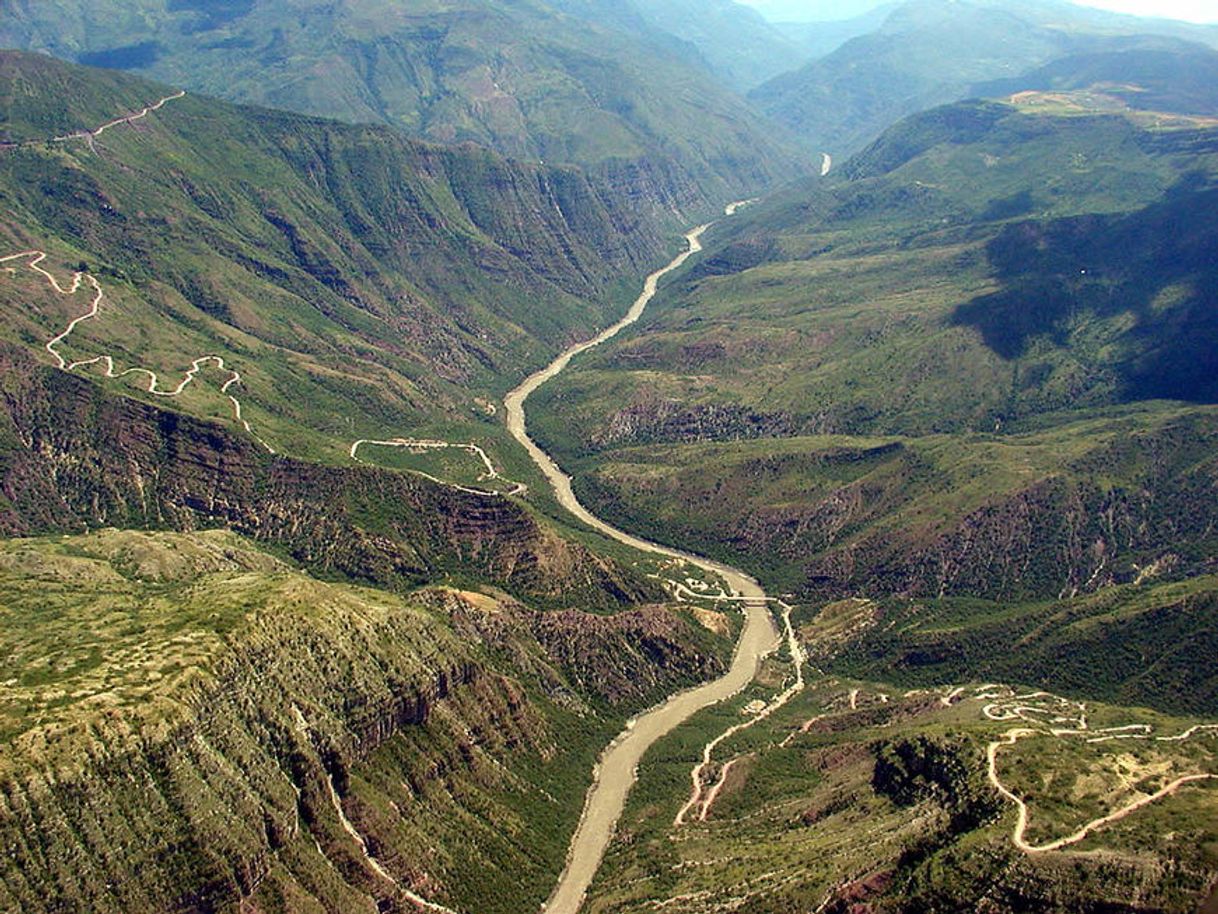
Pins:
<point x="417" y="444"/>
<point x="91" y="135"/>
<point x="125" y="119"/>
<point x="361" y="842"/>
<point x="33" y="261"/>
<point x="699" y="799"/>
<point x="1038" y="707"/>
<point x="616" y="772"/>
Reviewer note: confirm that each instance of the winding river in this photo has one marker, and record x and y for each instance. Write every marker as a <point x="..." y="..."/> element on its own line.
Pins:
<point x="616" y="771"/>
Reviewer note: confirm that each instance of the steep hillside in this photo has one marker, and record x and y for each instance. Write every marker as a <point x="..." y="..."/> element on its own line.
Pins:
<point x="271" y="682"/>
<point x="1035" y="247"/>
<point x="195" y="725"/>
<point x="1012" y="518"/>
<point x="528" y="79"/>
<point x="359" y="282"/>
<point x="75" y="458"/>
<point x="1137" y="644"/>
<point x="929" y="52"/>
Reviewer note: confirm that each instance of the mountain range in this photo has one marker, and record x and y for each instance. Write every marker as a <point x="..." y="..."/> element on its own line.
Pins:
<point x="936" y="52"/>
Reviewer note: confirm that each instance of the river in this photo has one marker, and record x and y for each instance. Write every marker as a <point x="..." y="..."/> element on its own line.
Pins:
<point x="617" y="769"/>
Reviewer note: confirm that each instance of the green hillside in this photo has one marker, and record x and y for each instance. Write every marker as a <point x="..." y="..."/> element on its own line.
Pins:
<point x="527" y="78"/>
<point x="1143" y="73"/>
<point x="294" y="624"/>
<point x="944" y="229"/>
<point x="858" y="795"/>
<point x="1130" y="645"/>
<point x="975" y="365"/>
<point x="361" y="283"/>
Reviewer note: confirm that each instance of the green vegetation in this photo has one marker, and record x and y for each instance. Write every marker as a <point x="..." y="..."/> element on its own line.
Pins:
<point x="1004" y="517"/>
<point x="74" y="457"/>
<point x="958" y="402"/>
<point x="364" y="285"/>
<point x="1131" y="645"/>
<point x="830" y="309"/>
<point x="118" y="621"/>
<point x="939" y="375"/>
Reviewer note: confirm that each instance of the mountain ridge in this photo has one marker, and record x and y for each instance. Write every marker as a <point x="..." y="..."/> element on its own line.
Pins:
<point x="305" y="615"/>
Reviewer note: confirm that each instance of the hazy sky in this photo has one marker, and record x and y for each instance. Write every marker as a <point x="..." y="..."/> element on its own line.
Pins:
<point x="1194" y="10"/>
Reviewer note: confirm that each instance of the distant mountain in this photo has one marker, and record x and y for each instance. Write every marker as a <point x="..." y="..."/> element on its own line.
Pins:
<point x="816" y="39"/>
<point x="1148" y="73"/>
<point x="742" y="48"/>
<point x="929" y="52"/>
<point x="528" y="78"/>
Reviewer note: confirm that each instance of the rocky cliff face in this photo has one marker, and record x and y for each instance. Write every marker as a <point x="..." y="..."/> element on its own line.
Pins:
<point x="564" y="226"/>
<point x="77" y="458"/>
<point x="649" y="646"/>
<point x="1058" y="537"/>
<point x="286" y="744"/>
<point x="871" y="519"/>
<point x="192" y="812"/>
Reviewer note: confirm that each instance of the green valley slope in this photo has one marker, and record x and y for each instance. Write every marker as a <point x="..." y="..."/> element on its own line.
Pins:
<point x="243" y="677"/>
<point x="360" y="282"/>
<point x="194" y="724"/>
<point x="957" y="402"/>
